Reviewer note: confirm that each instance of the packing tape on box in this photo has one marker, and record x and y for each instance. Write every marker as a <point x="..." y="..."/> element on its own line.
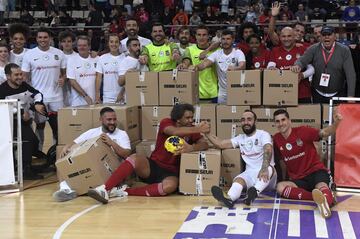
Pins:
<point x="280" y="72"/>
<point x="73" y="112"/>
<point x="233" y="109"/>
<point x="199" y="185"/>
<point x="157" y="128"/>
<point x="152" y="147"/>
<point x="141" y="76"/>
<point x="155" y="111"/>
<point x="197" y="114"/>
<point x="242" y="77"/>
<point x="202" y="160"/>
<point x="174" y="74"/>
<point x="142" y="98"/>
<point x="267" y="112"/>
<point x="233" y="130"/>
<point x="176" y="100"/>
<point x="108" y="168"/>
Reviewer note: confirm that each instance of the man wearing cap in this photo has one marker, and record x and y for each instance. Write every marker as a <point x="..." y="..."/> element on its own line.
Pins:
<point x="334" y="68"/>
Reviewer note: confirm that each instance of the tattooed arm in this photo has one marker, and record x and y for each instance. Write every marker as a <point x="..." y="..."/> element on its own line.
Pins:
<point x="264" y="173"/>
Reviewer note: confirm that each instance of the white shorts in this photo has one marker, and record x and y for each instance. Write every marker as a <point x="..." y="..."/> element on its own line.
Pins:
<point x="222" y="96"/>
<point x="50" y="107"/>
<point x="251" y="176"/>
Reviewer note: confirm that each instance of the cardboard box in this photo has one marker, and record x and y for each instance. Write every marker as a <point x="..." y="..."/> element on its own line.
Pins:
<point x="88" y="165"/>
<point x="265" y="120"/>
<point x="199" y="171"/>
<point x="228" y="120"/>
<point x="72" y="122"/>
<point x="178" y="87"/>
<point x="231" y="166"/>
<point x="305" y="115"/>
<point x="280" y="87"/>
<point x="244" y="87"/>
<point x="151" y="117"/>
<point x="128" y="119"/>
<point x="206" y="112"/>
<point x="142" y="88"/>
<point x="145" y="148"/>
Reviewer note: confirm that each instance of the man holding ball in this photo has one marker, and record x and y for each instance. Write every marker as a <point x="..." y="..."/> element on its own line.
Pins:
<point x="161" y="170"/>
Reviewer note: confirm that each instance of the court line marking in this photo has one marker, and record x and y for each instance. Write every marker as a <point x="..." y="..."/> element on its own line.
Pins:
<point x="62" y="228"/>
<point x="276" y="206"/>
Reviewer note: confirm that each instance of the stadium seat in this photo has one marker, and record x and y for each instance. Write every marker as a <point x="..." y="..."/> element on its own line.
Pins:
<point x="77" y="14"/>
<point x="14" y="15"/>
<point x="39" y="14"/>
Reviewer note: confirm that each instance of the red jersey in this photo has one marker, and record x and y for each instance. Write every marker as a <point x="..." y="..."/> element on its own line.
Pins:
<point x="161" y="156"/>
<point x="260" y="62"/>
<point x="298" y="152"/>
<point x="284" y="59"/>
<point x="243" y="46"/>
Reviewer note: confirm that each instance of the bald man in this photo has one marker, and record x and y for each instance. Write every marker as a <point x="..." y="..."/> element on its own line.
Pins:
<point x="285" y="55"/>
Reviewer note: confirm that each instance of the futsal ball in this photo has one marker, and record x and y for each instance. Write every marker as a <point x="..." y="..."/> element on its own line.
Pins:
<point x="173" y="143"/>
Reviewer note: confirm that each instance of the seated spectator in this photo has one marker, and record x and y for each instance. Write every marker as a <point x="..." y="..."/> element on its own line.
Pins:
<point x="301" y="15"/>
<point x="351" y="14"/>
<point x="181" y="18"/>
<point x="251" y="15"/>
<point x="141" y="15"/>
<point x="26" y="17"/>
<point x="264" y="17"/>
<point x="195" y="19"/>
<point x="208" y="16"/>
<point x="167" y="16"/>
<point x="287" y="12"/>
<point x="188" y="6"/>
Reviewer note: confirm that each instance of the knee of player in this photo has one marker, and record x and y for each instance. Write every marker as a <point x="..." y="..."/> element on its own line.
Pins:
<point x="170" y="186"/>
<point x="280" y="188"/>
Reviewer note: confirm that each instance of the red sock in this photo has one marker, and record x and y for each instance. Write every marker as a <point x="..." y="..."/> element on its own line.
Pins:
<point x="121" y="173"/>
<point x="151" y="190"/>
<point x="296" y="193"/>
<point x="328" y="195"/>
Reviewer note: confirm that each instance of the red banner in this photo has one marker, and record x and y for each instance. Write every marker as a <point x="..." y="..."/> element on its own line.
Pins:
<point x="347" y="148"/>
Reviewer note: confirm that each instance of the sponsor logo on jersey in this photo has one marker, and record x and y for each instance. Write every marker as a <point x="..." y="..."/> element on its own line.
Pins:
<point x="56" y="57"/>
<point x="288" y="146"/>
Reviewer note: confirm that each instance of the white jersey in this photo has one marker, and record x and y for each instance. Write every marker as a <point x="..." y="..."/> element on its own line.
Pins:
<point x="128" y="63"/>
<point x="2" y="75"/>
<point x="83" y="71"/>
<point x="223" y="61"/>
<point x="119" y="136"/>
<point x="67" y="86"/>
<point x="109" y="65"/>
<point x="17" y="58"/>
<point x="252" y="148"/>
<point x="67" y="56"/>
<point x="143" y="42"/>
<point x="44" y="68"/>
<point x="182" y="50"/>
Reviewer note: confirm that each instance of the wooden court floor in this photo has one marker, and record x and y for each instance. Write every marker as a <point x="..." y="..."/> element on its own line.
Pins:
<point x="34" y="214"/>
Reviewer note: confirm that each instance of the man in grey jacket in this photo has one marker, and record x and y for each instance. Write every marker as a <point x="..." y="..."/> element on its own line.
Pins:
<point x="334" y="68"/>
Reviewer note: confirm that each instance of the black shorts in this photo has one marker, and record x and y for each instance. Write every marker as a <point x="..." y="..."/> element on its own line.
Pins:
<point x="308" y="183"/>
<point x="157" y="173"/>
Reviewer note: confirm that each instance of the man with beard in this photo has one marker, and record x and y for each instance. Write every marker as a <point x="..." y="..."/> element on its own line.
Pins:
<point x="160" y="55"/>
<point x="225" y="59"/>
<point x="32" y="100"/>
<point x="257" y="152"/>
<point x="284" y="56"/>
<point x="161" y="170"/>
<point x="115" y="138"/>
<point x="184" y="39"/>
<point x="129" y="63"/>
<point x="132" y="30"/>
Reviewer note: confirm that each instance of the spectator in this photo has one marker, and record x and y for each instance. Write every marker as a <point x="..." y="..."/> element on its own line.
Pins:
<point x="251" y="15"/>
<point x="95" y="17"/>
<point x="317" y="32"/>
<point x="334" y="68"/>
<point x="195" y="19"/>
<point x="264" y="17"/>
<point x="301" y="15"/>
<point x="208" y="16"/>
<point x="3" y="4"/>
<point x="355" y="52"/>
<point x="142" y="16"/>
<point x="167" y="16"/>
<point x="26" y="18"/>
<point x="188" y="6"/>
<point x="181" y="18"/>
<point x="246" y="29"/>
<point x="351" y="14"/>
<point x="287" y="12"/>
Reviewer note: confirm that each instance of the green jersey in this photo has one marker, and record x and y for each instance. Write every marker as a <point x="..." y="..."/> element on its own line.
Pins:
<point x="208" y="81"/>
<point x="160" y="56"/>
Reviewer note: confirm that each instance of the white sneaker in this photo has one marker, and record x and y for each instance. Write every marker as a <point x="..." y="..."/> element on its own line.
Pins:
<point x="118" y="191"/>
<point x="64" y="195"/>
<point x="322" y="203"/>
<point x="100" y="194"/>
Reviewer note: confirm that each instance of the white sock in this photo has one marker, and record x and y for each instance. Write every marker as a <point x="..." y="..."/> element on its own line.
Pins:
<point x="235" y="191"/>
<point x="40" y="134"/>
<point x="260" y="185"/>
